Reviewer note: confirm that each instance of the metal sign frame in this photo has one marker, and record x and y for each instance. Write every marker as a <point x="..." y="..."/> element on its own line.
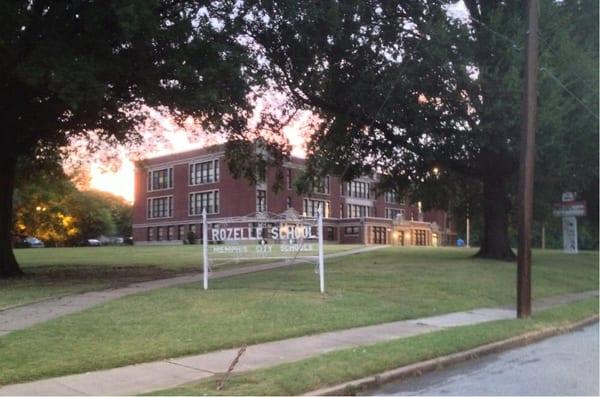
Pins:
<point x="229" y="234"/>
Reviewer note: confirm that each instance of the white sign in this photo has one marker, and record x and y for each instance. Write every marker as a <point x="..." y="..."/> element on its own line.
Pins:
<point x="284" y="238"/>
<point x="575" y="208"/>
<point x="569" y="234"/>
<point x="568" y="196"/>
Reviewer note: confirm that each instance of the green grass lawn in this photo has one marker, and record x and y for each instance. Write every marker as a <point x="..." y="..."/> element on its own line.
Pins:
<point x="52" y="272"/>
<point x="346" y="365"/>
<point x="375" y="287"/>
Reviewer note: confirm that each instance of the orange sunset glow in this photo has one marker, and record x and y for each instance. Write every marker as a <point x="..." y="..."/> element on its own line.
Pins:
<point x="120" y="181"/>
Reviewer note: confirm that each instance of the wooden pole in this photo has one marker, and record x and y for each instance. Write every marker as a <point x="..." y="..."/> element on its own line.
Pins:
<point x="527" y="163"/>
<point x="543" y="236"/>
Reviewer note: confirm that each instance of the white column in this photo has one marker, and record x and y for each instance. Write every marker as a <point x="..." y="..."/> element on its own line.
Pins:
<point x="468" y="233"/>
<point x="321" y="260"/>
<point x="569" y="234"/>
<point x="205" y="249"/>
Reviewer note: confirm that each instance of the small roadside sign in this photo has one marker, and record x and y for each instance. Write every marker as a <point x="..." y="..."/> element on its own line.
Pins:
<point x="573" y="208"/>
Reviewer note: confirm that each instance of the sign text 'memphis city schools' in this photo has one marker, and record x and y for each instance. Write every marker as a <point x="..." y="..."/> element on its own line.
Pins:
<point x="256" y="233"/>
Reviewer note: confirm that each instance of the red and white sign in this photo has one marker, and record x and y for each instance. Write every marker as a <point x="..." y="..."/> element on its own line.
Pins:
<point x="571" y="208"/>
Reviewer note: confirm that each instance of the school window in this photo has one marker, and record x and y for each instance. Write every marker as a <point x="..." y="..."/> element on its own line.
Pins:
<point x="261" y="200"/>
<point x="181" y="232"/>
<point x="288" y="202"/>
<point x="150" y="233"/>
<point x="351" y="230"/>
<point x="160" y="207"/>
<point x="392" y="197"/>
<point x="170" y="232"/>
<point x="330" y="234"/>
<point x="160" y="179"/>
<point x="261" y="172"/>
<point x="311" y="207"/>
<point x="159" y="233"/>
<point x="358" y="189"/>
<point x="321" y="185"/>
<point x="359" y="211"/>
<point x="289" y="179"/>
<point x="394" y="213"/>
<point x="204" y="200"/>
<point x="420" y="237"/>
<point x="379" y="235"/>
<point x="204" y="172"/>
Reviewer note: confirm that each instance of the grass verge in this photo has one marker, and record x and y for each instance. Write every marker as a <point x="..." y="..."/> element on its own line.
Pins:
<point x="53" y="272"/>
<point x="346" y="365"/>
<point x="380" y="286"/>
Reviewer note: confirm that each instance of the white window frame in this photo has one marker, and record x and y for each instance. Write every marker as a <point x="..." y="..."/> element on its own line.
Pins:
<point x="191" y="199"/>
<point x="389" y="210"/>
<point x="326" y="185"/>
<point x="150" y="207"/>
<point x="214" y="173"/>
<point x="326" y="207"/>
<point x="150" y="179"/>
<point x="265" y="206"/>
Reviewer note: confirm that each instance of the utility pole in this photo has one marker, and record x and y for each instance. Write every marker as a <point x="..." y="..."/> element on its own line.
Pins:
<point x="527" y="163"/>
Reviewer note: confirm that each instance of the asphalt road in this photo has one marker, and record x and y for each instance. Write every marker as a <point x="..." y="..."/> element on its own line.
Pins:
<point x="562" y="365"/>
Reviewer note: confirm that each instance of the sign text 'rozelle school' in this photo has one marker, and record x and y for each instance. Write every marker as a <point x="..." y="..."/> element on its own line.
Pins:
<point x="257" y="233"/>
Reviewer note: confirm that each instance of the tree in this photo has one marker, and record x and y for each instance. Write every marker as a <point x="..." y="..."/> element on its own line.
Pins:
<point x="400" y="88"/>
<point x="70" y="68"/>
<point x="49" y="206"/>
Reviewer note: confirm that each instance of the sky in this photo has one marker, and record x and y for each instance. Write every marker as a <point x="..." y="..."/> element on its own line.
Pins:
<point x="174" y="139"/>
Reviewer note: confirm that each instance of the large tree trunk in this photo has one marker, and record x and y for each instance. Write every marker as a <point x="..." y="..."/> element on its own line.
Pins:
<point x="495" y="243"/>
<point x="8" y="264"/>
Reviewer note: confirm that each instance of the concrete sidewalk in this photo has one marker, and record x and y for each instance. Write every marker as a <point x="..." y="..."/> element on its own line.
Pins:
<point x="25" y="316"/>
<point x="147" y="377"/>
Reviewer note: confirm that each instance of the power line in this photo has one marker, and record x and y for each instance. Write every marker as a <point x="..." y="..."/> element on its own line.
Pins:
<point x="517" y="47"/>
<point x="564" y="87"/>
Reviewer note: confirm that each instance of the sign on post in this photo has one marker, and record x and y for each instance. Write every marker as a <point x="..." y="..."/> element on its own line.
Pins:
<point x="264" y="236"/>
<point x="569" y="210"/>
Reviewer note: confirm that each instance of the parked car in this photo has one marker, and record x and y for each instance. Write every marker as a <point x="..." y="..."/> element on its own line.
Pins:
<point x="29" y="242"/>
<point x="92" y="242"/>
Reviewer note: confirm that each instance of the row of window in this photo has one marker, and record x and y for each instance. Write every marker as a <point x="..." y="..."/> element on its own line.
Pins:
<point x="199" y="173"/>
<point x="209" y="172"/>
<point x="162" y="207"/>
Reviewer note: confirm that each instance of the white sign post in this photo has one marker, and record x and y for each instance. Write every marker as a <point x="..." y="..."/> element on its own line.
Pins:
<point x="321" y="261"/>
<point x="569" y="224"/>
<point x="569" y="210"/>
<point x="205" y="249"/>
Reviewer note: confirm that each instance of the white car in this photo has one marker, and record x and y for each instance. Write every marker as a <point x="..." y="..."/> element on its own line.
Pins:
<point x="92" y="242"/>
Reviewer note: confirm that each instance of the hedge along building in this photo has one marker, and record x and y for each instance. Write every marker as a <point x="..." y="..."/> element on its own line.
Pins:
<point x="172" y="191"/>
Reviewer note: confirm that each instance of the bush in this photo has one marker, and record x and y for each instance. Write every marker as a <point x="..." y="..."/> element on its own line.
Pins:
<point x="191" y="237"/>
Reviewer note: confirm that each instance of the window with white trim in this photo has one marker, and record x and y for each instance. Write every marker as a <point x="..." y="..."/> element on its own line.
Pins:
<point x="358" y="189"/>
<point x="160" y="207"/>
<point x="311" y="207"/>
<point x="359" y="211"/>
<point x="261" y="200"/>
<point x="392" y="197"/>
<point x="321" y="185"/>
<point x="160" y="179"/>
<point x="204" y="172"/>
<point x="289" y="179"/>
<point x="201" y="200"/>
<point x="394" y="213"/>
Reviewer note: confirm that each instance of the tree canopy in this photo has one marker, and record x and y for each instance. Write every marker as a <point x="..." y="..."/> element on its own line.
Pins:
<point x="74" y="67"/>
<point x="402" y="89"/>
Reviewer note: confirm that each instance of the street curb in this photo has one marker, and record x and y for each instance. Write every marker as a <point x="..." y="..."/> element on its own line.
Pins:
<point x="362" y="385"/>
